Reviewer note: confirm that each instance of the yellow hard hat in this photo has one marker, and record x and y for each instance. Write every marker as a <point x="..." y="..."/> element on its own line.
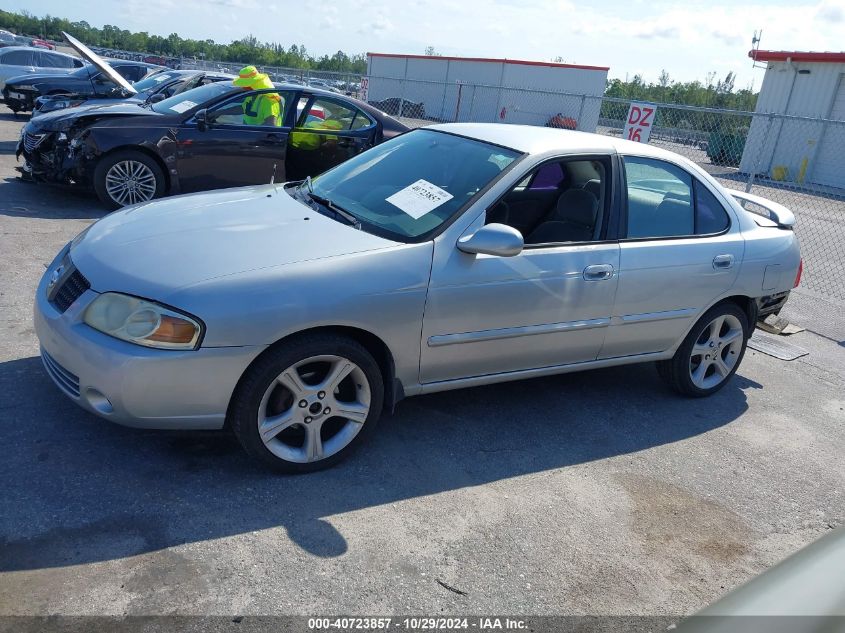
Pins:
<point x="249" y="77"/>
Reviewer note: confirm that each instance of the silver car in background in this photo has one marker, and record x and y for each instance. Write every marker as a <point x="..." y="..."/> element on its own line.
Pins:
<point x="450" y="256"/>
<point x="23" y="60"/>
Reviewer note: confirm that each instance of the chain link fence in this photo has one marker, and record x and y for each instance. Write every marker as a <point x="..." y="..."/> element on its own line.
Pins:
<point x="796" y="161"/>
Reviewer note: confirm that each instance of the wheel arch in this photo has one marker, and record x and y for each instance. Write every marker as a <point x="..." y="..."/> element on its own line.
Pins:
<point x="141" y="149"/>
<point x="747" y="304"/>
<point x="393" y="389"/>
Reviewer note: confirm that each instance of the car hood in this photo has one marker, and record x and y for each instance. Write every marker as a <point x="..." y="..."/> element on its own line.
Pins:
<point x="57" y="120"/>
<point x="157" y="248"/>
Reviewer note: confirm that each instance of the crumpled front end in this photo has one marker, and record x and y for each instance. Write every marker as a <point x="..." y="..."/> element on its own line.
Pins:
<point x="54" y="156"/>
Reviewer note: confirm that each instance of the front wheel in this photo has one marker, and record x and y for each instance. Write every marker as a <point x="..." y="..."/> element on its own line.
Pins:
<point x="128" y="177"/>
<point x="308" y="403"/>
<point x="710" y="354"/>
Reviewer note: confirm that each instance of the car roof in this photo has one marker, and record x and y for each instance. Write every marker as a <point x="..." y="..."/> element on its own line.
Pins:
<point x="533" y="139"/>
<point x="30" y="48"/>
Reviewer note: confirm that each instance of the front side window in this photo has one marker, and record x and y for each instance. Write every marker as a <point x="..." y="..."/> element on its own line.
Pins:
<point x="559" y="201"/>
<point x="666" y="201"/>
<point x="260" y="109"/>
<point x="410" y="185"/>
<point x="51" y="60"/>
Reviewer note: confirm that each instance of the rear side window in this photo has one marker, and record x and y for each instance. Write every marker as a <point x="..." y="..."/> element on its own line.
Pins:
<point x="659" y="199"/>
<point x="666" y="201"/>
<point x="18" y="58"/>
<point x="710" y="216"/>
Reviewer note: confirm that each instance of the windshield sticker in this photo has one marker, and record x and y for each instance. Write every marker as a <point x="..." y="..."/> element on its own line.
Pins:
<point x="183" y="106"/>
<point x="419" y="198"/>
<point x="161" y="78"/>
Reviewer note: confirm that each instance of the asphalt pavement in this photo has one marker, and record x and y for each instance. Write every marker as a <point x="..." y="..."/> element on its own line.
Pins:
<point x="592" y="493"/>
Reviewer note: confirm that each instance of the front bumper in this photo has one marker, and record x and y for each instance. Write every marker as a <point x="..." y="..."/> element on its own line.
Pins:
<point x="133" y="385"/>
<point x="18" y="100"/>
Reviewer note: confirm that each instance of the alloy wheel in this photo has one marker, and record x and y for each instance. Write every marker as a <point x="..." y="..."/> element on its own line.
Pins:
<point x="130" y="182"/>
<point x="314" y="409"/>
<point x="716" y="352"/>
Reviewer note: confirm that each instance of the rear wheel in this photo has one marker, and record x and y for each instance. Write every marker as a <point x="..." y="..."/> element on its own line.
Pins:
<point x="128" y="177"/>
<point x="710" y="354"/>
<point x="307" y="404"/>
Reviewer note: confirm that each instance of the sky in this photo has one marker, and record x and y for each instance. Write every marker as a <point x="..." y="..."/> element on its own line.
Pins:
<point x="688" y="39"/>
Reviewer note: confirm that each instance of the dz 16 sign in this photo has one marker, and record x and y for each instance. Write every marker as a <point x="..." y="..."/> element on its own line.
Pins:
<point x="639" y="122"/>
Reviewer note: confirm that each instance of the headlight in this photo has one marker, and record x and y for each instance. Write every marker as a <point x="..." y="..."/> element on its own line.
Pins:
<point x="142" y="322"/>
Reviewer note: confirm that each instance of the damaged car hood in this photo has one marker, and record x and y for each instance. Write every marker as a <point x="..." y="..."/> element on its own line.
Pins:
<point x="156" y="248"/>
<point x="59" y="119"/>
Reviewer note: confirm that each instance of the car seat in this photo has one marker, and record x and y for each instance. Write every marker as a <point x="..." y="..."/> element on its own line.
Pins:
<point x="573" y="221"/>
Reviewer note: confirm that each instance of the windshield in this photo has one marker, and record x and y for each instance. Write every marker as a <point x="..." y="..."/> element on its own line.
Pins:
<point x="184" y="101"/>
<point x="153" y="81"/>
<point x="410" y="185"/>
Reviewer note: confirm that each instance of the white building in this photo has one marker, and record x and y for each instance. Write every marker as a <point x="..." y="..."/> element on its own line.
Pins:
<point x="803" y="84"/>
<point x="494" y="90"/>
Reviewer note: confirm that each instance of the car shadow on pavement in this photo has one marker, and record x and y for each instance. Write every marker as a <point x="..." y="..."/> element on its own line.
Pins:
<point x="51" y="202"/>
<point x="78" y="489"/>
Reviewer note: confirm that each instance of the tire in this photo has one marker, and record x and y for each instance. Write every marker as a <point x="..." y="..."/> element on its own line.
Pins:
<point x="267" y="399"/>
<point x="684" y="372"/>
<point x="149" y="184"/>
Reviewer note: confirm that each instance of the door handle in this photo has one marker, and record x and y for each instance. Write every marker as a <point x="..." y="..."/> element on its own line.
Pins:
<point x="723" y="261"/>
<point x="274" y="138"/>
<point x="598" y="272"/>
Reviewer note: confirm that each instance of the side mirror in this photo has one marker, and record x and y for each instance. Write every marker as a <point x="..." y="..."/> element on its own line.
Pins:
<point x="160" y="96"/>
<point x="493" y="239"/>
<point x="201" y="120"/>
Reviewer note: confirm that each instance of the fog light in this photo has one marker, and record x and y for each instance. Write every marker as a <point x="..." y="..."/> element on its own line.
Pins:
<point x="98" y="401"/>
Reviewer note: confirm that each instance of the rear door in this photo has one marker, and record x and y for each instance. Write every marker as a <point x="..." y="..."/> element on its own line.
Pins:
<point x="328" y="131"/>
<point x="229" y="152"/>
<point x="13" y="63"/>
<point x="681" y="251"/>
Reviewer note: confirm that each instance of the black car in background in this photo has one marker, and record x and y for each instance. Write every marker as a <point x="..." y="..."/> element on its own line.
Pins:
<point x="199" y="140"/>
<point x="20" y="93"/>
<point x="151" y="89"/>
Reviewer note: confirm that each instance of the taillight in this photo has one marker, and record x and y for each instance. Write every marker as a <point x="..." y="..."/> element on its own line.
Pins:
<point x="798" y="276"/>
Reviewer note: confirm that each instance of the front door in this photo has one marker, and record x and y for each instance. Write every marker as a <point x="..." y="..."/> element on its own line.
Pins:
<point x="548" y="306"/>
<point x="229" y="152"/>
<point x="327" y="133"/>
<point x="681" y="253"/>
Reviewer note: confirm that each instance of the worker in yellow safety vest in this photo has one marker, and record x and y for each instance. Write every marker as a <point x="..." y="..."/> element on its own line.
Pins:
<point x="260" y="109"/>
<point x="310" y="140"/>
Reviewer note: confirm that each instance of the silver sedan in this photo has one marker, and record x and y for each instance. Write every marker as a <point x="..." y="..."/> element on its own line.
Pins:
<point x="450" y="256"/>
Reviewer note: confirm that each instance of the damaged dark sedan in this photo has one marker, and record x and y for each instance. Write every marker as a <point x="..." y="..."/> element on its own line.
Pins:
<point x="198" y="140"/>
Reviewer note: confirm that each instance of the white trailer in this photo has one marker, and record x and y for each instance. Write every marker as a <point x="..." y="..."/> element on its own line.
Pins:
<point x="490" y="90"/>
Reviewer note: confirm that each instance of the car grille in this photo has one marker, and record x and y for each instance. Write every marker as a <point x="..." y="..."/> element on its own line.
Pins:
<point x="31" y="141"/>
<point x="70" y="290"/>
<point x="65" y="380"/>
